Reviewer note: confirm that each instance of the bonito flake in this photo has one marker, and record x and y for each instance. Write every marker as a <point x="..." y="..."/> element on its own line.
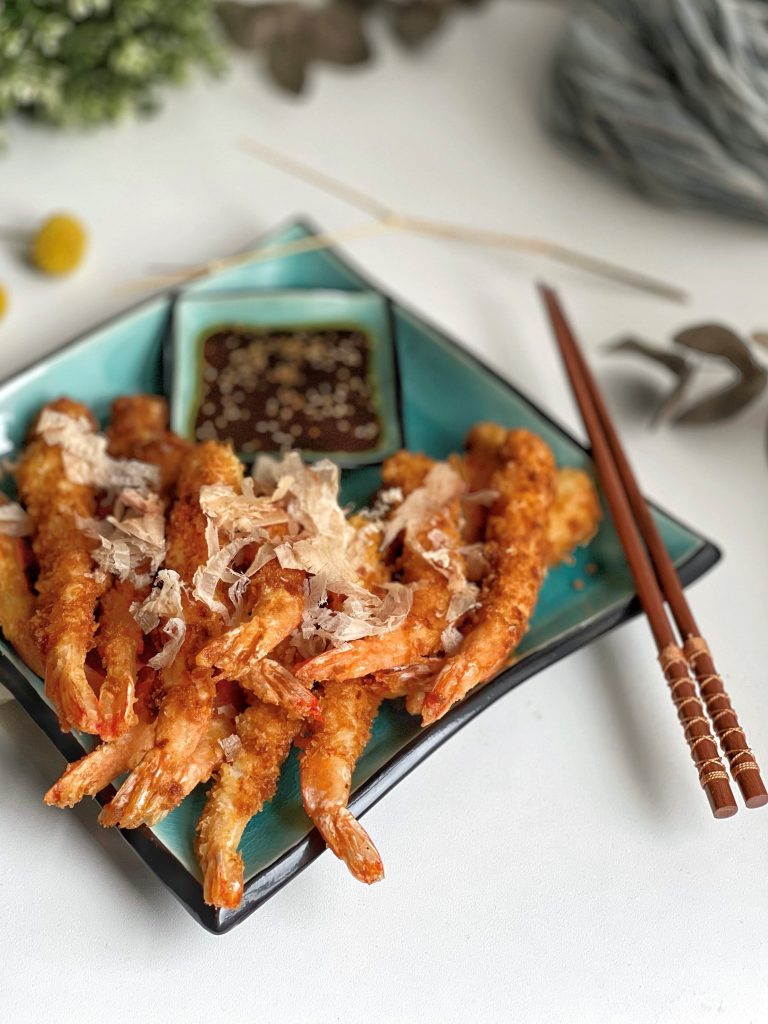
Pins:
<point x="164" y="602"/>
<point x="230" y="747"/>
<point x="441" y="486"/>
<point x="132" y="539"/>
<point x="14" y="521"/>
<point x="244" y="517"/>
<point x="242" y="513"/>
<point x="358" y="616"/>
<point x="85" y="458"/>
<point x="463" y="601"/>
<point x="218" y="569"/>
<point x="323" y="536"/>
<point x="313" y="536"/>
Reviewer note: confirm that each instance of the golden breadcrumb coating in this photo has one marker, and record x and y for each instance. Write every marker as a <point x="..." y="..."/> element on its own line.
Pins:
<point x="516" y="549"/>
<point x="17" y="602"/>
<point x="240" y="791"/>
<point x="347" y="711"/>
<point x="154" y="787"/>
<point x="67" y="588"/>
<point x="420" y="635"/>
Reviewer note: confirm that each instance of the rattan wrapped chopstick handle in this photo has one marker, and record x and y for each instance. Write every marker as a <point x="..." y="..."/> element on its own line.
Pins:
<point x="733" y="740"/>
<point x="692" y="716"/>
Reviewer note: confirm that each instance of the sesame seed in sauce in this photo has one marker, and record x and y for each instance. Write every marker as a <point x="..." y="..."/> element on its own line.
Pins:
<point x="303" y="388"/>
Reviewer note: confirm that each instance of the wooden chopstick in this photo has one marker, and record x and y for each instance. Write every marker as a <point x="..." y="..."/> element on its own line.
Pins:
<point x="712" y="774"/>
<point x="733" y="741"/>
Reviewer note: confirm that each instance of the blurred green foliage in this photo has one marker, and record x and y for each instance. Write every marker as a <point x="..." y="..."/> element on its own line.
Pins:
<point x="84" y="62"/>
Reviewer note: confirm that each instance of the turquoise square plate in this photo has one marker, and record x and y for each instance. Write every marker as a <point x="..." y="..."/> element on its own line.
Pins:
<point x="198" y="314"/>
<point x="444" y="390"/>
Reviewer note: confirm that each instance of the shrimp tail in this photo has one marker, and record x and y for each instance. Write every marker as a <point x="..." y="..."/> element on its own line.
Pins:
<point x="448" y="690"/>
<point x="130" y="807"/>
<point x="273" y="684"/>
<point x="66" y="684"/>
<point x="92" y="773"/>
<point x="143" y="800"/>
<point x="347" y="838"/>
<point x="223" y="878"/>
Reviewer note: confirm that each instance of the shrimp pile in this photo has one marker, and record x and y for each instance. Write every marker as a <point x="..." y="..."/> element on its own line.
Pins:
<point x="204" y="623"/>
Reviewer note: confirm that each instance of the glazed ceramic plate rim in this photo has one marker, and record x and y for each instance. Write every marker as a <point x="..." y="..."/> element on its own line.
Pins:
<point x="176" y="356"/>
<point x="159" y="858"/>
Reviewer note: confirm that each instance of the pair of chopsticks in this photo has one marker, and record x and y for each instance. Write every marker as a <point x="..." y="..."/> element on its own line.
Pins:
<point x="657" y="582"/>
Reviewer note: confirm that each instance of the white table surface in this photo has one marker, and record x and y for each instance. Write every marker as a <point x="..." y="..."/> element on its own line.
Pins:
<point x="555" y="861"/>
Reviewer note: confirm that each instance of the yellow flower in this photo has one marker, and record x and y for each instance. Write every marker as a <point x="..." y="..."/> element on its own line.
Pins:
<point x="3" y="302"/>
<point x="59" y="245"/>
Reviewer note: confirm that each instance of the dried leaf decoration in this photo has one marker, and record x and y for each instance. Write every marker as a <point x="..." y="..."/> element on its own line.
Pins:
<point x="682" y="368"/>
<point x="293" y="34"/>
<point x="719" y="342"/>
<point x="287" y="65"/>
<point x="249" y="27"/>
<point x="415" y="23"/>
<point x="337" y="36"/>
<point x="708" y="341"/>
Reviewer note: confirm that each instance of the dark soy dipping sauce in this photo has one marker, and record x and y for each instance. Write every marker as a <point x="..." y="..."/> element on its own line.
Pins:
<point x="269" y="391"/>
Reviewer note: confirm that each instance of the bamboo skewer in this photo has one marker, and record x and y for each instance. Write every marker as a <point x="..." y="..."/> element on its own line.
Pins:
<point x="384" y="218"/>
<point x="744" y="768"/>
<point x="457" y="232"/>
<point x="333" y="186"/>
<point x="312" y="243"/>
<point x="548" y="250"/>
<point x="696" y="727"/>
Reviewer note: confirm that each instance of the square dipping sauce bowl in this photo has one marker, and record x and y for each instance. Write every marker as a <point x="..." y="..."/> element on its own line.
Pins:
<point x="313" y="370"/>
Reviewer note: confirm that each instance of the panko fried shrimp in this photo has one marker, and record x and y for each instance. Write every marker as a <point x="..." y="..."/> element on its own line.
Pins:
<point x="430" y="563"/>
<point x="212" y="749"/>
<point x="265" y="734"/>
<point x="412" y="683"/>
<point x="517" y="551"/>
<point x="113" y="758"/>
<point x="132" y="549"/>
<point x="101" y="766"/>
<point x="67" y="588"/>
<point x="481" y="460"/>
<point x="17" y="601"/>
<point x="275" y="604"/>
<point x="205" y="464"/>
<point x="339" y="735"/>
<point x="119" y="642"/>
<point x="575" y="514"/>
<point x="302" y="577"/>
<point x="347" y="711"/>
<point x="187" y="692"/>
<point x="139" y="430"/>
